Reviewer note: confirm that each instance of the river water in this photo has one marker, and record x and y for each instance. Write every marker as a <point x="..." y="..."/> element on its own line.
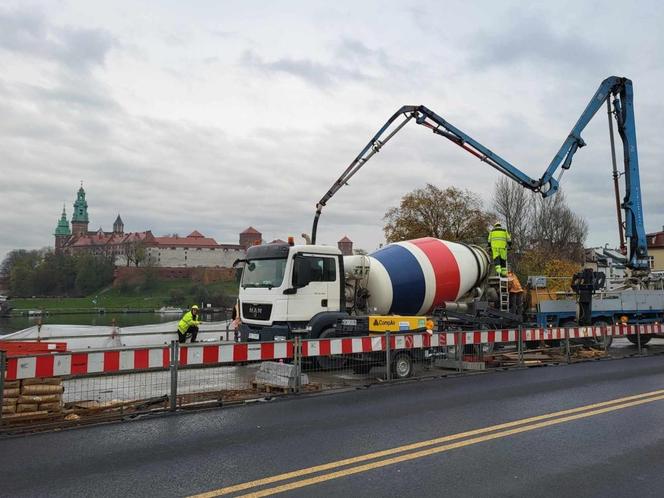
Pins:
<point x="9" y="325"/>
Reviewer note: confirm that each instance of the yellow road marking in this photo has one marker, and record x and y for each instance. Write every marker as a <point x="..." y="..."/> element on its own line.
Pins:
<point x="438" y="449"/>
<point x="597" y="408"/>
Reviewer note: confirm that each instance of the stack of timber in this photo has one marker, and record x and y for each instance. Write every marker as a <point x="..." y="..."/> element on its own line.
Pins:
<point x="31" y="399"/>
<point x="534" y="357"/>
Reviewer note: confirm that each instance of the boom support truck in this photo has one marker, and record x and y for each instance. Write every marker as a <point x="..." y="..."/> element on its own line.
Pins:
<point x="313" y="287"/>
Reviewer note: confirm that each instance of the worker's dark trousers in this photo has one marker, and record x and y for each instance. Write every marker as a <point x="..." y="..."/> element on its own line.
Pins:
<point x="191" y="331"/>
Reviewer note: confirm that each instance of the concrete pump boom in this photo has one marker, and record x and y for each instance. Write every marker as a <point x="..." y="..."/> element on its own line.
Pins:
<point x="615" y="91"/>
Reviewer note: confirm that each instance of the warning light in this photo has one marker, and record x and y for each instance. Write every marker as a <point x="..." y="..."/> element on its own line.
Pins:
<point x="291" y="241"/>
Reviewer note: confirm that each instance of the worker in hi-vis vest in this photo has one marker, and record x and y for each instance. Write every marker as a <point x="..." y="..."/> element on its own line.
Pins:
<point x="188" y="325"/>
<point x="499" y="239"/>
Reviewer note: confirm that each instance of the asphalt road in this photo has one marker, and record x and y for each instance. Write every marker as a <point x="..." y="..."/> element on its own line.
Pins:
<point x="610" y="449"/>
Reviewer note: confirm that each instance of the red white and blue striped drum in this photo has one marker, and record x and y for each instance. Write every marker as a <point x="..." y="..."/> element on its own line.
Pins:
<point x="415" y="276"/>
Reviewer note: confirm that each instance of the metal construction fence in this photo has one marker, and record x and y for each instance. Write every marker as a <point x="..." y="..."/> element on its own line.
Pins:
<point x="72" y="388"/>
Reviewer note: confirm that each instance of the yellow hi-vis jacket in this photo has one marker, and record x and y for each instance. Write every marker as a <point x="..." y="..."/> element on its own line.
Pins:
<point x="187" y="321"/>
<point x="499" y="238"/>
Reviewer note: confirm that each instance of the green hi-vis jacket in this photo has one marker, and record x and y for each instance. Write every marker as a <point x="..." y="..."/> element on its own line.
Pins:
<point x="499" y="238"/>
<point x="187" y="321"/>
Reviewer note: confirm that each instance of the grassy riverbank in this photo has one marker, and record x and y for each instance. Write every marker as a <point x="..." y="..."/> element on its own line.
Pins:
<point x="181" y="292"/>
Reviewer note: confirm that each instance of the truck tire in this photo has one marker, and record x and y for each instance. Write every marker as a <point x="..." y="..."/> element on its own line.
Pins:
<point x="645" y="339"/>
<point x="599" y="340"/>
<point x="331" y="362"/>
<point x="402" y="366"/>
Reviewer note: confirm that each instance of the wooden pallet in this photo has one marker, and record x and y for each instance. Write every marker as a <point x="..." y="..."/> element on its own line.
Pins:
<point x="269" y="388"/>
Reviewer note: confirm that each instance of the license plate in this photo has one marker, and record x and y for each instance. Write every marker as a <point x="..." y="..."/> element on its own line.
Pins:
<point x="254" y="335"/>
<point x="349" y="323"/>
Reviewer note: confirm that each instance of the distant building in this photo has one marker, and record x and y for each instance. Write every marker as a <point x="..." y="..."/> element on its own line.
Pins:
<point x="194" y="250"/>
<point x="140" y="248"/>
<point x="250" y="237"/>
<point x="611" y="262"/>
<point x="79" y="239"/>
<point x="656" y="250"/>
<point x="345" y="245"/>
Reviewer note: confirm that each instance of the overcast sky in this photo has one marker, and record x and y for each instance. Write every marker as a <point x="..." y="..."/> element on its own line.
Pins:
<point x="219" y="115"/>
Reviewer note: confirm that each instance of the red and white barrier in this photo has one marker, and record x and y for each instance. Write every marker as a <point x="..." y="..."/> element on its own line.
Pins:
<point x="129" y="360"/>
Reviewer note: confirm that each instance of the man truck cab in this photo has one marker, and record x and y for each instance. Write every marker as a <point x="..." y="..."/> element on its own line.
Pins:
<point x="287" y="287"/>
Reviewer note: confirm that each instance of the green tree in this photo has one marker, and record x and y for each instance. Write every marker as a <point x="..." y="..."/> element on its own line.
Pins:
<point x="450" y="214"/>
<point x="93" y="272"/>
<point x="20" y="265"/>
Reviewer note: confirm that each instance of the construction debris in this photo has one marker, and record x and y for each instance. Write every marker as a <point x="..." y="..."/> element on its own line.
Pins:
<point x="534" y="357"/>
<point x="272" y="374"/>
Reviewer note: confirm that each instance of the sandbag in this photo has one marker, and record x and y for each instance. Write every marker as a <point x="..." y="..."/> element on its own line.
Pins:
<point x="38" y="389"/>
<point x="44" y="398"/>
<point x="6" y="409"/>
<point x="44" y="380"/>
<point x="51" y="407"/>
<point x="12" y="384"/>
<point x="8" y="401"/>
<point x="12" y="392"/>
<point x="26" y="407"/>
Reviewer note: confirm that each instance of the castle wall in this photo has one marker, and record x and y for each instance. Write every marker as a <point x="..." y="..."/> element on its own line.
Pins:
<point x="174" y="257"/>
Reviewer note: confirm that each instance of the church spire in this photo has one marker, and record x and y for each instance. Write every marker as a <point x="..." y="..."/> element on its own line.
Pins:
<point x="118" y="225"/>
<point x="79" y="220"/>
<point x="63" y="225"/>
<point x="80" y="207"/>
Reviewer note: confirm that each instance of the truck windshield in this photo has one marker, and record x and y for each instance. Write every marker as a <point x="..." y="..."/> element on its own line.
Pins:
<point x="263" y="273"/>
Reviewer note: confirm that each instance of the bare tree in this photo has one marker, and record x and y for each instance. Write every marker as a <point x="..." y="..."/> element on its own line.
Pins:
<point x="542" y="229"/>
<point x="135" y="252"/>
<point x="556" y="229"/>
<point x="513" y="204"/>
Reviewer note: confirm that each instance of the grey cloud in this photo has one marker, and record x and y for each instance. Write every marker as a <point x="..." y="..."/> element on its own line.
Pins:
<point x="352" y="61"/>
<point x="315" y="73"/>
<point x="357" y="52"/>
<point x="28" y="33"/>
<point x="531" y="39"/>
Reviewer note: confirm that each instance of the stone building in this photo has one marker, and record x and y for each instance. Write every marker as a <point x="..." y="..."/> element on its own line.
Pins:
<point x="345" y="245"/>
<point x="194" y="250"/>
<point x="250" y="237"/>
<point x="656" y="250"/>
<point x="141" y="248"/>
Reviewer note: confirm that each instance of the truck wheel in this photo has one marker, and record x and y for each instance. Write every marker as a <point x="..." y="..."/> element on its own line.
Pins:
<point x="645" y="339"/>
<point x="333" y="361"/>
<point x="599" y="340"/>
<point x="402" y="366"/>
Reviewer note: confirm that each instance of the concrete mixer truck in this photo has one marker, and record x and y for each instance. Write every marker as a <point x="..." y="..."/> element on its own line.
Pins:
<point x="287" y="287"/>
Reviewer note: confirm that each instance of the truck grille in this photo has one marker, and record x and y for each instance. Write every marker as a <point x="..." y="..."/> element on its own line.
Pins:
<point x="256" y="311"/>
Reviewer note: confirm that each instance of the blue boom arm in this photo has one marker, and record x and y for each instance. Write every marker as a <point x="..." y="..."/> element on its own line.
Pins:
<point x="618" y="89"/>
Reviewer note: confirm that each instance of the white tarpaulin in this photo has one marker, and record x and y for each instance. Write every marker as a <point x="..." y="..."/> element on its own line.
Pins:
<point x="107" y="336"/>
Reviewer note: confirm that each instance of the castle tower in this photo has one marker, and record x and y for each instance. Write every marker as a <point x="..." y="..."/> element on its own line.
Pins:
<point x="62" y="232"/>
<point x="345" y="245"/>
<point x="250" y="237"/>
<point x="118" y="226"/>
<point x="79" y="221"/>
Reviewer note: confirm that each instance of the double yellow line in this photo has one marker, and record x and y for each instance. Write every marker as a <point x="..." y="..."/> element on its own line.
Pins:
<point x="422" y="449"/>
